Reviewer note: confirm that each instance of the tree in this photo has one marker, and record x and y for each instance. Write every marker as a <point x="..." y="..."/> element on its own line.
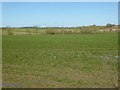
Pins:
<point x="94" y="25"/>
<point x="109" y="26"/>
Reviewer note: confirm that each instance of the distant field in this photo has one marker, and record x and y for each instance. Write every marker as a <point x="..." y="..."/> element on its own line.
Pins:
<point x="59" y="30"/>
<point x="75" y="61"/>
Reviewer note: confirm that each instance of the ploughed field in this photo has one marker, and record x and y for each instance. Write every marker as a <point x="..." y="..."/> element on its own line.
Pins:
<point x="60" y="61"/>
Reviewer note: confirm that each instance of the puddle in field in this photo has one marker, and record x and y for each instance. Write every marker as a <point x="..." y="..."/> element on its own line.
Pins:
<point x="110" y="57"/>
<point x="117" y="57"/>
<point x="12" y="85"/>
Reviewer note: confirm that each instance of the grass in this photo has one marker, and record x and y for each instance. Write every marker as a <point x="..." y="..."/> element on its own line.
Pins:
<point x="51" y="61"/>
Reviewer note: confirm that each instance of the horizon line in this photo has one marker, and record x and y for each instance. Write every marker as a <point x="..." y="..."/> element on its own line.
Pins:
<point x="51" y="26"/>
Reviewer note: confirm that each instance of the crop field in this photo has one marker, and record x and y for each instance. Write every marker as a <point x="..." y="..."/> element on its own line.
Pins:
<point x="60" y="61"/>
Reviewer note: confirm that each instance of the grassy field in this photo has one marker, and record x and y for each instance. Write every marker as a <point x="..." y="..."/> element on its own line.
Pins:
<point x="51" y="61"/>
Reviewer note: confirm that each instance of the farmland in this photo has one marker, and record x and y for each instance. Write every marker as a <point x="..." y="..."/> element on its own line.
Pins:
<point x="59" y="45"/>
<point x="60" y="61"/>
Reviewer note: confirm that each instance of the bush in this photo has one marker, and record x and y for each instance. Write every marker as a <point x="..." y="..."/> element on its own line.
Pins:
<point x="51" y="32"/>
<point x="10" y="32"/>
<point x="86" y="31"/>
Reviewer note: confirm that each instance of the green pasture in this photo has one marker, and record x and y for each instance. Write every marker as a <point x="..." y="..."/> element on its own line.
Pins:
<point x="60" y="61"/>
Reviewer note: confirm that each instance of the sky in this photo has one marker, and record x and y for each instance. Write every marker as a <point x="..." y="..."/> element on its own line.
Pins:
<point x="53" y="14"/>
<point x="60" y="0"/>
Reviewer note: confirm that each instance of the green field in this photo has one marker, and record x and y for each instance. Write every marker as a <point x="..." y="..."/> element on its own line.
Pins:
<point x="60" y="61"/>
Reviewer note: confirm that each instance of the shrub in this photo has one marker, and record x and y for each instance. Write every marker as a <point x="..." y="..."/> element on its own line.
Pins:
<point x="50" y="31"/>
<point x="86" y="31"/>
<point x="10" y="32"/>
